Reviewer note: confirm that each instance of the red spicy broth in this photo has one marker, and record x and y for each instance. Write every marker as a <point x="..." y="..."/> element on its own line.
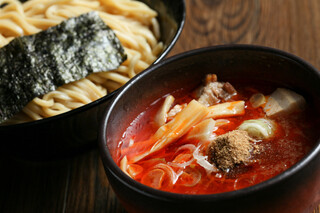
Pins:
<point x="293" y="139"/>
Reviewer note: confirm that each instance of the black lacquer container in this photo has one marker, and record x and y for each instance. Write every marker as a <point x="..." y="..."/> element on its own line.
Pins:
<point x="76" y="131"/>
<point x="295" y="190"/>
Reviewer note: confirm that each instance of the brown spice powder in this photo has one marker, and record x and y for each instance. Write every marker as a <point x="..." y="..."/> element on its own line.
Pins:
<point x="230" y="149"/>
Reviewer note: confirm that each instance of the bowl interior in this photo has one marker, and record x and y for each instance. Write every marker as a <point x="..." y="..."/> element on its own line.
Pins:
<point x="171" y="19"/>
<point x="187" y="70"/>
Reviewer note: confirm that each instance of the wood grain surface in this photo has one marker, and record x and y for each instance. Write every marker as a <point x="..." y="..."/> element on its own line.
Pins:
<point x="79" y="184"/>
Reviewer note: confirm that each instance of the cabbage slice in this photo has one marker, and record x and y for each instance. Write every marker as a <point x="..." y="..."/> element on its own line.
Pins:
<point x="259" y="128"/>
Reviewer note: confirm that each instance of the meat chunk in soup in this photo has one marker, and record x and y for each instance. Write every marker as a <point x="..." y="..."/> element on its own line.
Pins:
<point x="213" y="92"/>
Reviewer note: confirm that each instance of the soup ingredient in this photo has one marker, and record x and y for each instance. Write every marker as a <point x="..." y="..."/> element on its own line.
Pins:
<point x="37" y="64"/>
<point x="259" y="128"/>
<point x="284" y="102"/>
<point x="159" y="174"/>
<point x="211" y="78"/>
<point x="214" y="92"/>
<point x="217" y="152"/>
<point x="257" y="100"/>
<point x="227" y="109"/>
<point x="202" y="160"/>
<point x="203" y="132"/>
<point x="124" y="165"/>
<point x="161" y="116"/>
<point x="230" y="149"/>
<point x="171" y="131"/>
<point x="177" y="108"/>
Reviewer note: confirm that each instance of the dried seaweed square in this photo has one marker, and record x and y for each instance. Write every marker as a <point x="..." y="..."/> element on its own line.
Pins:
<point x="31" y="66"/>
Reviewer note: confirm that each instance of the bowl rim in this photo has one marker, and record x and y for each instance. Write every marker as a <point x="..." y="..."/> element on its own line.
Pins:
<point x="164" y="53"/>
<point x="112" y="168"/>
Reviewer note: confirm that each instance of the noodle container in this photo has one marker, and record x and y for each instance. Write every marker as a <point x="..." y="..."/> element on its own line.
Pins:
<point x="295" y="190"/>
<point x="76" y="131"/>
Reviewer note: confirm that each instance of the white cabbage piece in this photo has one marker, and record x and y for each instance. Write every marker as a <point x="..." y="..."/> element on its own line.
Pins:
<point x="259" y="128"/>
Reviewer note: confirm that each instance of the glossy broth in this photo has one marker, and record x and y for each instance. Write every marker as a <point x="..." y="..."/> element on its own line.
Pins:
<point x="292" y="140"/>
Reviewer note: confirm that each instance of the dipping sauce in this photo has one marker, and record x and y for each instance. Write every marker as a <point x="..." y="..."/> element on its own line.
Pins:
<point x="168" y="157"/>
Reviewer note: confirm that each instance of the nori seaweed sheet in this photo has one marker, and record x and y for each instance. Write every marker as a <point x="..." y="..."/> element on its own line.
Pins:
<point x="31" y="66"/>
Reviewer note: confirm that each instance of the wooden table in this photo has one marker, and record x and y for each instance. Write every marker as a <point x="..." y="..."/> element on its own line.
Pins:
<point x="79" y="184"/>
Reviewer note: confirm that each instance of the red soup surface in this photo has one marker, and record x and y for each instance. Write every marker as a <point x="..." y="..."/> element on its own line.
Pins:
<point x="174" y="168"/>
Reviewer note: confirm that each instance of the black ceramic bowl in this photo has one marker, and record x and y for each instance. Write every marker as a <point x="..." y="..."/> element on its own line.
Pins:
<point x="75" y="131"/>
<point x="295" y="190"/>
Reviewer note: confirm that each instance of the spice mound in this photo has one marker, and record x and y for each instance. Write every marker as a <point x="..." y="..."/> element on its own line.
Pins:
<point x="230" y="149"/>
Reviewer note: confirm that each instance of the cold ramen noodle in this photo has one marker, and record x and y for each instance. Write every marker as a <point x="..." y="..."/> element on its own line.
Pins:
<point x="217" y="138"/>
<point x="133" y="22"/>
